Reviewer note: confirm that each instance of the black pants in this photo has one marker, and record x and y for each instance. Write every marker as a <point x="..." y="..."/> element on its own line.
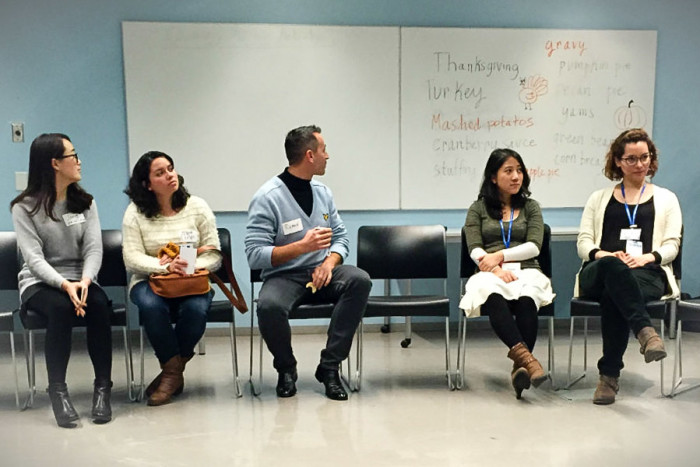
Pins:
<point x="513" y="321"/>
<point x="57" y="308"/>
<point x="349" y="289"/>
<point x="622" y="293"/>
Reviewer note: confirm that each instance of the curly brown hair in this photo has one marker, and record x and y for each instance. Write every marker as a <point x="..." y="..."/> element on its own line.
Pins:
<point x="617" y="150"/>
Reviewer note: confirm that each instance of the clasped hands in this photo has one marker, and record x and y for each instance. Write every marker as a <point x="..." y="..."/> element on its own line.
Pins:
<point x="491" y="262"/>
<point x="77" y="292"/>
<point x="631" y="261"/>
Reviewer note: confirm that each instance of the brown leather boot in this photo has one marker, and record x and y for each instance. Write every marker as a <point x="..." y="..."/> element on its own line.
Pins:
<point x="606" y="390"/>
<point x="523" y="358"/>
<point x="170" y="380"/>
<point x="520" y="380"/>
<point x="652" y="347"/>
<point x="156" y="381"/>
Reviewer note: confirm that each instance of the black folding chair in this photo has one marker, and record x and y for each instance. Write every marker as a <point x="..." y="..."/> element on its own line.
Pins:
<point x="112" y="274"/>
<point x="8" y="282"/>
<point x="468" y="268"/>
<point x="406" y="252"/>
<point x="303" y="311"/>
<point x="657" y="309"/>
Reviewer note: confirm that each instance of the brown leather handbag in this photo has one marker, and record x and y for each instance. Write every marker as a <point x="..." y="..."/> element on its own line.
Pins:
<point x="174" y="285"/>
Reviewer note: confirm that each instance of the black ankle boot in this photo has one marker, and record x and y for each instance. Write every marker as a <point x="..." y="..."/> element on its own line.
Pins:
<point x="101" y="408"/>
<point x="63" y="408"/>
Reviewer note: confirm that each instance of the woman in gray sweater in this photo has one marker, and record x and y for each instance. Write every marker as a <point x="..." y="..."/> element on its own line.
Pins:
<point x="59" y="235"/>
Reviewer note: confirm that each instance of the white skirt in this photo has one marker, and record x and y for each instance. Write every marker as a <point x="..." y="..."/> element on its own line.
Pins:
<point x="530" y="283"/>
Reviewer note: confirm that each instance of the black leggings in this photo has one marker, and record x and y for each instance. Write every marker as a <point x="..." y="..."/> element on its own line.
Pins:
<point x="514" y="321"/>
<point x="57" y="308"/>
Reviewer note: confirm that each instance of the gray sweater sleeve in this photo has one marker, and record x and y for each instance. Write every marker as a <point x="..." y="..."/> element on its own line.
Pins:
<point x="32" y="246"/>
<point x="92" y="243"/>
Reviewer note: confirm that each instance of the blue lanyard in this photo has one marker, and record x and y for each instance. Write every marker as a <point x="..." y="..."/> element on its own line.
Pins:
<point x="633" y="216"/>
<point x="510" y="229"/>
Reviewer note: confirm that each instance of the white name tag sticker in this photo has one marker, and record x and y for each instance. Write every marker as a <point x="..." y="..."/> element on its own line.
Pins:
<point x="291" y="227"/>
<point x="634" y="248"/>
<point x="188" y="236"/>
<point x="510" y="266"/>
<point x="630" y="234"/>
<point x="72" y="218"/>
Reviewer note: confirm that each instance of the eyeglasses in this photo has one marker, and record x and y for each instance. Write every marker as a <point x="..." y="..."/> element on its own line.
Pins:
<point x="632" y="160"/>
<point x="66" y="156"/>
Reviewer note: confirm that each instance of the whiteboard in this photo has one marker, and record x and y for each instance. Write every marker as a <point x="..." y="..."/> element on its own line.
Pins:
<point x="410" y="115"/>
<point x="220" y="99"/>
<point x="557" y="97"/>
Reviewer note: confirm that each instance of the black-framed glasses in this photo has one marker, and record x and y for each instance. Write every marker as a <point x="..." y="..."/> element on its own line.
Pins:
<point x="66" y="156"/>
<point x="632" y="160"/>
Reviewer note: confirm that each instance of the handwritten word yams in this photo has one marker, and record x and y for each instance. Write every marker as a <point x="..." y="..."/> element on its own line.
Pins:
<point x="575" y="46"/>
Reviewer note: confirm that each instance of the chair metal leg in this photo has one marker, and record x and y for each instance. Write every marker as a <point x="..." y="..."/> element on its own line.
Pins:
<point x="255" y="386"/>
<point x="550" y="351"/>
<point x="353" y="377"/>
<point x="569" y="381"/>
<point x="459" y="377"/>
<point x="14" y="368"/>
<point x="677" y="382"/>
<point x="202" y="347"/>
<point x="28" y="337"/>
<point x="408" y="333"/>
<point x="448" y="362"/>
<point x="129" y="360"/>
<point x="234" y="359"/>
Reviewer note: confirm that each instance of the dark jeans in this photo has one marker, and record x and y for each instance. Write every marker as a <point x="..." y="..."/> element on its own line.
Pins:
<point x="55" y="305"/>
<point x="622" y="293"/>
<point x="513" y="321"/>
<point x="349" y="289"/>
<point x="158" y="313"/>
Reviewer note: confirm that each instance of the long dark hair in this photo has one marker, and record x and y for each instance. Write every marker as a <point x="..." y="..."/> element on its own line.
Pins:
<point x="489" y="190"/>
<point x="41" y="180"/>
<point x="144" y="199"/>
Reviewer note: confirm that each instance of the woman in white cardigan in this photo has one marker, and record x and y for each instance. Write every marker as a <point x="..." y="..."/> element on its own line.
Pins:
<point x="629" y="235"/>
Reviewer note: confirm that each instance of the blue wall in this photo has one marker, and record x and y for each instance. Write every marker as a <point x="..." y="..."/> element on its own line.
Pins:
<point x="61" y="70"/>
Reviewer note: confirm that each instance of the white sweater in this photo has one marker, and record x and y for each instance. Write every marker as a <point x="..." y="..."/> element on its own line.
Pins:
<point x="144" y="236"/>
<point x="666" y="238"/>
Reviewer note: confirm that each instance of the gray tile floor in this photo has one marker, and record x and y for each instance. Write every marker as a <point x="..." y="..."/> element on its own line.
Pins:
<point x="404" y="415"/>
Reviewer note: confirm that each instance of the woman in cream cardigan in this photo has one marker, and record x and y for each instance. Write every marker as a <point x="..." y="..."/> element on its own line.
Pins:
<point x="629" y="235"/>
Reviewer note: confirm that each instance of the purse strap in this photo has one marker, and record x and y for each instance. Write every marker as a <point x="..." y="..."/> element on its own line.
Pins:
<point x="236" y="300"/>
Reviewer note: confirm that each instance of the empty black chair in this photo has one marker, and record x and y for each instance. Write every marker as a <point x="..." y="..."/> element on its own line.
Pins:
<point x="468" y="268"/>
<point x="112" y="274"/>
<point x="8" y="282"/>
<point x="303" y="311"/>
<point x="657" y="309"/>
<point x="406" y="252"/>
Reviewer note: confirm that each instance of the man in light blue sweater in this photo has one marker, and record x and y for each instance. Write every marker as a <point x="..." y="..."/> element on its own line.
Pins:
<point x="298" y="240"/>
